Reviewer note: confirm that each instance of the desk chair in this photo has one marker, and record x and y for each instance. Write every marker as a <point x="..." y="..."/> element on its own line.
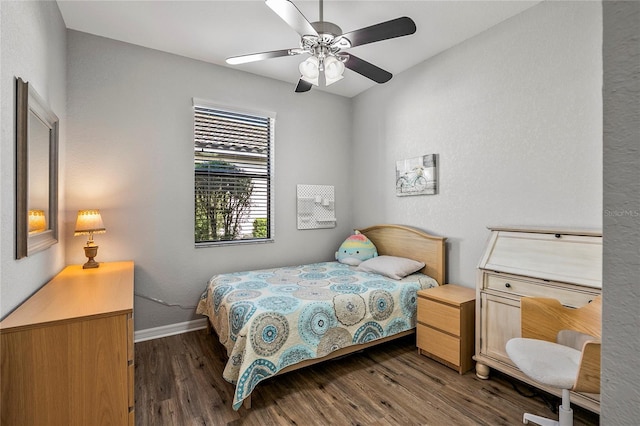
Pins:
<point x="560" y="348"/>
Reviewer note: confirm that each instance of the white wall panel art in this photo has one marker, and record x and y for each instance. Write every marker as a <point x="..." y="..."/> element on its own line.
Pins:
<point x="316" y="206"/>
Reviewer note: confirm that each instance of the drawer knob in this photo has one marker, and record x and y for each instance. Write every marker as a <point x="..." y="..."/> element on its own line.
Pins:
<point x="558" y="235"/>
<point x="507" y="285"/>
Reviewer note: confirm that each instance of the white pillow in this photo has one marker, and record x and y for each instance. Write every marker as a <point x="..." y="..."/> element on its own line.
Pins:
<point x="391" y="266"/>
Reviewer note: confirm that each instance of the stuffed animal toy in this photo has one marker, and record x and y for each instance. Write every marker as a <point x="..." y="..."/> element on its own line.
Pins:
<point x="356" y="249"/>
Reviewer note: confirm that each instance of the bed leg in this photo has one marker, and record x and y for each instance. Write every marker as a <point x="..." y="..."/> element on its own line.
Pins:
<point x="247" y="402"/>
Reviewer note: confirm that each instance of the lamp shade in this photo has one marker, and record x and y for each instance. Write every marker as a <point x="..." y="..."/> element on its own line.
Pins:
<point x="37" y="221"/>
<point x="333" y="68"/>
<point x="310" y="70"/>
<point x="89" y="222"/>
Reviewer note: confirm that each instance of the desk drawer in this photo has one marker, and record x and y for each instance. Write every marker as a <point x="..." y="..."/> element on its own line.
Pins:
<point x="519" y="287"/>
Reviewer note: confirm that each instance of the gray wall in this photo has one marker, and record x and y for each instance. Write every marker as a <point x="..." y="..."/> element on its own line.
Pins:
<point x="621" y="309"/>
<point x="515" y="115"/>
<point x="130" y="154"/>
<point x="33" y="47"/>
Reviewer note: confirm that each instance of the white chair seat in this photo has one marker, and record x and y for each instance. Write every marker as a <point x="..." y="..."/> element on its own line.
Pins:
<point x="545" y="362"/>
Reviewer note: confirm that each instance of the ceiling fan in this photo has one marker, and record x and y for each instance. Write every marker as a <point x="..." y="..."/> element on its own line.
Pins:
<point x="326" y="43"/>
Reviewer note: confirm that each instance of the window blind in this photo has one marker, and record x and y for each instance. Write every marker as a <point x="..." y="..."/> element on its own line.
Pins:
<point x="233" y="175"/>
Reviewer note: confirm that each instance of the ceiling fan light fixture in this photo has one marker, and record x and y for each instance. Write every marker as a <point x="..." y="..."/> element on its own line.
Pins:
<point x="329" y="81"/>
<point x="333" y="68"/>
<point x="314" y="81"/>
<point x="310" y="70"/>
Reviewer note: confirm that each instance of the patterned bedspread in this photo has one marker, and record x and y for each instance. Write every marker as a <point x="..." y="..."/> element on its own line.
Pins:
<point x="270" y="319"/>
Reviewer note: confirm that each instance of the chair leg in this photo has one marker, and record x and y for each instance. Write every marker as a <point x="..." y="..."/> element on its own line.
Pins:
<point x="542" y="421"/>
<point x="565" y="412"/>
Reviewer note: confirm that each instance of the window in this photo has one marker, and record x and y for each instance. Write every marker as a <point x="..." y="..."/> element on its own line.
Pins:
<point x="233" y="165"/>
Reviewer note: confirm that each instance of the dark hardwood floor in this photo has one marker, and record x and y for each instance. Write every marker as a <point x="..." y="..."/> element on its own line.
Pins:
<point x="179" y="381"/>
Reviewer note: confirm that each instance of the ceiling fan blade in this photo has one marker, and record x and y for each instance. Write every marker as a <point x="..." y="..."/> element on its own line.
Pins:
<point x="303" y="86"/>
<point x="385" y="30"/>
<point x="292" y="16"/>
<point x="243" y="59"/>
<point x="367" y="69"/>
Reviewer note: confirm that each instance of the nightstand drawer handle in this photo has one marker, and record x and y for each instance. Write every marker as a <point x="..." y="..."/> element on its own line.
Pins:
<point x="507" y="285"/>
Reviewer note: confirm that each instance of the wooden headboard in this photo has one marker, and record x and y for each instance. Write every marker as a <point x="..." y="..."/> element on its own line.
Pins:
<point x="404" y="241"/>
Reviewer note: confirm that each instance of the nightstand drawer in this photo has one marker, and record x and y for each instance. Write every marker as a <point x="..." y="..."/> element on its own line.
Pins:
<point x="439" y="315"/>
<point x="439" y="344"/>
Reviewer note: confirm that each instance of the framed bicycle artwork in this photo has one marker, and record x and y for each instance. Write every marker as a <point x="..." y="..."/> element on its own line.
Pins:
<point x="417" y="176"/>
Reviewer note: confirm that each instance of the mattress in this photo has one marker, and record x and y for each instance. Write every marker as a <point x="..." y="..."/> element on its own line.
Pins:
<point x="270" y="319"/>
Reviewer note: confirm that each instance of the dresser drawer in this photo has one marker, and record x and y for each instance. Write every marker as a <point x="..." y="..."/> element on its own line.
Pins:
<point x="439" y="344"/>
<point x="130" y="344"/>
<point x="439" y="315"/>
<point x="519" y="287"/>
<point x="131" y="374"/>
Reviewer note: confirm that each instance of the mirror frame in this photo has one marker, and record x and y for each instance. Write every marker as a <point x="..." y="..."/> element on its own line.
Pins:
<point x="29" y="102"/>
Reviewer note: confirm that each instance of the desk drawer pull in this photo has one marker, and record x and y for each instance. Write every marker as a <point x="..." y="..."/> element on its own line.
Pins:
<point x="507" y="285"/>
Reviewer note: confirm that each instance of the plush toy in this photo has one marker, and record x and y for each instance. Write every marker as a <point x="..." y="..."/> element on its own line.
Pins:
<point x="356" y="249"/>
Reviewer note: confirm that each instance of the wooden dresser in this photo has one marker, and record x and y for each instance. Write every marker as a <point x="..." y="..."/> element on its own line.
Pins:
<point x="561" y="264"/>
<point x="67" y="351"/>
<point x="445" y="325"/>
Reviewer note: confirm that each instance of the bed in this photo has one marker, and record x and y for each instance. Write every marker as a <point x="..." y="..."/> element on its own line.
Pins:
<point x="272" y="321"/>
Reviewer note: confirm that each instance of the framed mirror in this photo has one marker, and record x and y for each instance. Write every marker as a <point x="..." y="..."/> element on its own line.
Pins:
<point x="36" y="172"/>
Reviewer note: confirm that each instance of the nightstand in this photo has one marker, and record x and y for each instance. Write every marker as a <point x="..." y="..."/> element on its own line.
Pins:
<point x="446" y="325"/>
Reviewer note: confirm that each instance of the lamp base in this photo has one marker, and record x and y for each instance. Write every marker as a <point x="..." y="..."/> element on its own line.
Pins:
<point x="90" y="252"/>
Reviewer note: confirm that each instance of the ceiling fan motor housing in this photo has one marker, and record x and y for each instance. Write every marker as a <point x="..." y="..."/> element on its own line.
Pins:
<point x="327" y="42"/>
<point x="327" y="28"/>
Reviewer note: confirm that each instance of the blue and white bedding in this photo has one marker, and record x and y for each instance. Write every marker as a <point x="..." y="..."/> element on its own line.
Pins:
<point x="270" y="319"/>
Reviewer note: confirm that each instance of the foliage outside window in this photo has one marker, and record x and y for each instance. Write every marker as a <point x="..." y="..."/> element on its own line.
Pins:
<point x="233" y="175"/>
<point x="260" y="227"/>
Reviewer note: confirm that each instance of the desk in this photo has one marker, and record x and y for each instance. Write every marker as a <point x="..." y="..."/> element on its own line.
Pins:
<point x="556" y="263"/>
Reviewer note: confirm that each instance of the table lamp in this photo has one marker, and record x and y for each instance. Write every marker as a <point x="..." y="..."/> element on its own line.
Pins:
<point x="89" y="222"/>
<point x="37" y="221"/>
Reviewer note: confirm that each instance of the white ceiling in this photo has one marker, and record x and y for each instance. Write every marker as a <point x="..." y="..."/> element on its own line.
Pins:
<point x="213" y="30"/>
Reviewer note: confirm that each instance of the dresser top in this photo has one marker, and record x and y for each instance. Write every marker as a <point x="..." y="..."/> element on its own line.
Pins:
<point x="75" y="293"/>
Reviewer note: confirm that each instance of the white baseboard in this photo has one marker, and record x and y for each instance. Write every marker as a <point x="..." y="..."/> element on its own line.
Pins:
<point x="169" y="330"/>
